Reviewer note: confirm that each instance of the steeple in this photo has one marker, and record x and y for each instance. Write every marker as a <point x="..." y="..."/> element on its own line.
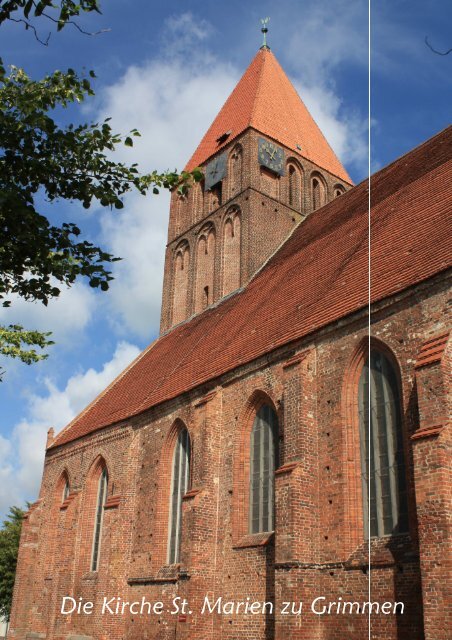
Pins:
<point x="266" y="100"/>
<point x="267" y="166"/>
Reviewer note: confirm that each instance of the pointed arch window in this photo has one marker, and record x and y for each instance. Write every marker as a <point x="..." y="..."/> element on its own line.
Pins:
<point x="179" y="486"/>
<point x="181" y="268"/>
<point x="101" y="498"/>
<point x="294" y="187"/>
<point x="318" y="193"/>
<point x="205" y="268"/>
<point x="382" y="457"/>
<point x="263" y="462"/>
<point x="231" y="254"/>
<point x="235" y="170"/>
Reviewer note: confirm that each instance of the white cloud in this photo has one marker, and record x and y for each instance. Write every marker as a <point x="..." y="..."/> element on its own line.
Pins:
<point x="22" y="455"/>
<point x="65" y="315"/>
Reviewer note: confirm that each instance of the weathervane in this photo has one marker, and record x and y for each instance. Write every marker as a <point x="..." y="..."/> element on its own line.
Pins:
<point x="264" y="29"/>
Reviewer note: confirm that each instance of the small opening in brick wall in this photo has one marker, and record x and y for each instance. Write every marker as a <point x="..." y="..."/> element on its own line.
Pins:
<point x="331" y="573"/>
<point x="326" y="537"/>
<point x="330" y="501"/>
<point x="327" y="468"/>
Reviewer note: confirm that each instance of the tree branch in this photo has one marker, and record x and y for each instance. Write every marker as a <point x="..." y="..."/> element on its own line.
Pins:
<point x="28" y="25"/>
<point x="77" y="26"/>
<point x="439" y="53"/>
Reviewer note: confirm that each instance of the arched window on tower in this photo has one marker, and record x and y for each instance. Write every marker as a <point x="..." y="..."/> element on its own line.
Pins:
<point x="231" y="254"/>
<point x="338" y="190"/>
<point x="263" y="462"/>
<point x="181" y="267"/>
<point x="179" y="485"/>
<point x="294" y="187"/>
<point x="99" y="516"/>
<point x="382" y="457"/>
<point x="318" y="192"/>
<point x="235" y="171"/>
<point x="205" y="266"/>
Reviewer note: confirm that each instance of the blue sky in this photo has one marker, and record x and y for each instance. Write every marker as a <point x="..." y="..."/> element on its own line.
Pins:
<point x="166" y="68"/>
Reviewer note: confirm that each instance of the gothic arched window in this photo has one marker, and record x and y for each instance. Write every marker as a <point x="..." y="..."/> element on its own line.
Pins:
<point x="382" y="457"/>
<point x="181" y="266"/>
<point x="318" y="193"/>
<point x="231" y="254"/>
<point x="99" y="516"/>
<point x="338" y="190"/>
<point x="179" y="486"/>
<point x="235" y="171"/>
<point x="205" y="267"/>
<point x="263" y="462"/>
<point x="294" y="187"/>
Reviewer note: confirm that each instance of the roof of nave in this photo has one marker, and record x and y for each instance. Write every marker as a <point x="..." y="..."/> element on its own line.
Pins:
<point x="267" y="101"/>
<point x="319" y="275"/>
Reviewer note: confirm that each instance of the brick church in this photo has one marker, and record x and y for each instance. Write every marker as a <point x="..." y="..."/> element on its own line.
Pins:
<point x="265" y="449"/>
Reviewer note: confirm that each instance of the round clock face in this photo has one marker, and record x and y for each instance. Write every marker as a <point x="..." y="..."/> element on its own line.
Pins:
<point x="271" y="156"/>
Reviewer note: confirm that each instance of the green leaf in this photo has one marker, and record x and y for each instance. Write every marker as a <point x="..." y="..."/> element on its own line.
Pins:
<point x="128" y="142"/>
<point x="28" y="8"/>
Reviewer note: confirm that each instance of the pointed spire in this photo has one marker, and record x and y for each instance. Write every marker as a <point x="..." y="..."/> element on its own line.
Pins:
<point x="264" y="29"/>
<point x="265" y="100"/>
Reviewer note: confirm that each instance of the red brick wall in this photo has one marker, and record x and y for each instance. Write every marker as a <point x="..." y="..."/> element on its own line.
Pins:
<point x="318" y="548"/>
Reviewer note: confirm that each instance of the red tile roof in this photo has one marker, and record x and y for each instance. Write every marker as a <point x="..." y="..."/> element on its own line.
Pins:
<point x="319" y="275"/>
<point x="266" y="100"/>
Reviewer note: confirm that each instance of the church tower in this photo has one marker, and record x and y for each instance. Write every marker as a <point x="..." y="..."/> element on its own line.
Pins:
<point x="266" y="167"/>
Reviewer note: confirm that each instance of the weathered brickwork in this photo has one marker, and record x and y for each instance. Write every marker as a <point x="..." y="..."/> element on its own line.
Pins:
<point x="318" y="548"/>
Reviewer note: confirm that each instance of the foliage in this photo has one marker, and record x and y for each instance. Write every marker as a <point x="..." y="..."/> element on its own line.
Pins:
<point x="41" y="162"/>
<point x="9" y="547"/>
